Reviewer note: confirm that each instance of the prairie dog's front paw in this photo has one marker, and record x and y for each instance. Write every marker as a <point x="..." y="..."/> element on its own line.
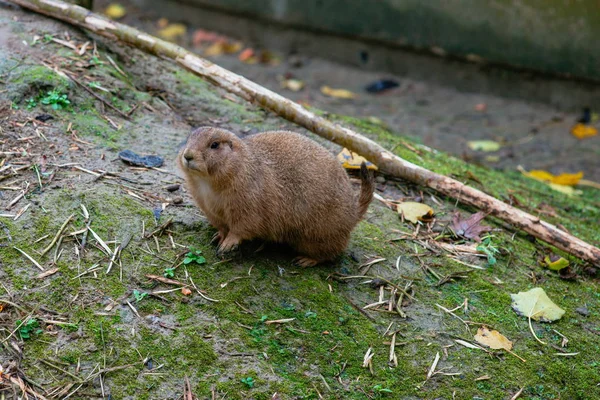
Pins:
<point x="230" y="243"/>
<point x="218" y="237"/>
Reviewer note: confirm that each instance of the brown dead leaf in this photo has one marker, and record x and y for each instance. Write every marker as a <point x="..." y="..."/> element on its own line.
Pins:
<point x="471" y="227"/>
<point x="493" y="339"/>
<point x="185" y="291"/>
<point x="47" y="273"/>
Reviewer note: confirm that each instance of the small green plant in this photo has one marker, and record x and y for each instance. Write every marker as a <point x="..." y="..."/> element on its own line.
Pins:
<point x="31" y="103"/>
<point x="248" y="381"/>
<point x="489" y="249"/>
<point x="56" y="99"/>
<point x="30" y="327"/>
<point x="169" y="272"/>
<point x="96" y="61"/>
<point x="380" y="389"/>
<point x="194" y="255"/>
<point x="310" y="314"/>
<point x="48" y="38"/>
<point x="139" y="296"/>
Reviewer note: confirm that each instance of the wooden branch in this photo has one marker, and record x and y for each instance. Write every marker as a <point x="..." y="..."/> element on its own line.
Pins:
<point x="252" y="92"/>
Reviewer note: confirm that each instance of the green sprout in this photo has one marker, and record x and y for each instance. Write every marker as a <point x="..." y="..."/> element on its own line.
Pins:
<point x="30" y="327"/>
<point x="194" y="255"/>
<point x="56" y="99"/>
<point x="139" y="296"/>
<point x="489" y="249"/>
<point x="169" y="272"/>
<point x="248" y="381"/>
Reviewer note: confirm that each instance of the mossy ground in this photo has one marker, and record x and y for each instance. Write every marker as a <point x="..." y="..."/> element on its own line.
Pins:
<point x="148" y="353"/>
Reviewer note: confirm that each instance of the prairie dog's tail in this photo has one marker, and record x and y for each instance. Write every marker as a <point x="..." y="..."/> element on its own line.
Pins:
<point x="367" y="187"/>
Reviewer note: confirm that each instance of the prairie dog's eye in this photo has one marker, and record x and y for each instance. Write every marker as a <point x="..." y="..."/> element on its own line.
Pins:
<point x="214" y="145"/>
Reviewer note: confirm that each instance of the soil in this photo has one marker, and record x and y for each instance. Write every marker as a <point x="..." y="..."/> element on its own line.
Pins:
<point x="253" y="326"/>
<point x="533" y="134"/>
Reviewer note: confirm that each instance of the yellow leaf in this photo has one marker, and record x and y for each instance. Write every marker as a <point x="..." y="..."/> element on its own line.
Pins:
<point x="536" y="304"/>
<point x="556" y="265"/>
<point x="562" y="183"/>
<point x="115" y="11"/>
<point x="582" y="131"/>
<point x="414" y="212"/>
<point x="351" y="160"/>
<point x="568" y="190"/>
<point x="568" y="179"/>
<point x="222" y="47"/>
<point x="338" y="93"/>
<point x="493" y="339"/>
<point x="294" y="85"/>
<point x="172" y="32"/>
<point x="484" y="145"/>
<point x="539" y="175"/>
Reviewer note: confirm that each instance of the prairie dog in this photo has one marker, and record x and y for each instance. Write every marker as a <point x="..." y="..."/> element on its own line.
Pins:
<point x="276" y="186"/>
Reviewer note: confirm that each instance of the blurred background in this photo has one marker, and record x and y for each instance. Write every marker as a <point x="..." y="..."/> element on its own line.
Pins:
<point x="503" y="83"/>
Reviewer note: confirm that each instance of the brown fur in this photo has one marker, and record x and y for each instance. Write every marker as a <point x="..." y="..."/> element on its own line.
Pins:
<point x="276" y="186"/>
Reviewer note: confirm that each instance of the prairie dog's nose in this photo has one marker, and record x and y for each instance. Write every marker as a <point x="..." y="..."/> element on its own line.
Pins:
<point x="188" y="156"/>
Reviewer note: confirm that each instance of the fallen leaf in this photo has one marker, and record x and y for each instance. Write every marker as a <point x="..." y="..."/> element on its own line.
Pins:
<point x="382" y="85"/>
<point x="162" y="23"/>
<point x="338" y="93"/>
<point x="415" y="212"/>
<point x="185" y="291"/>
<point x="562" y="179"/>
<point x="493" y="339"/>
<point x="268" y="57"/>
<point x="492" y="159"/>
<point x="536" y="304"/>
<point x="555" y="263"/>
<point x="484" y="145"/>
<point x="562" y="183"/>
<point x="351" y="160"/>
<point x="200" y="36"/>
<point x="47" y="273"/>
<point x="294" y="85"/>
<point x="480" y="107"/>
<point x="582" y="131"/>
<point x="115" y="11"/>
<point x="247" y="56"/>
<point x="172" y="32"/>
<point x="471" y="227"/>
<point x="222" y="47"/>
<point x="568" y="190"/>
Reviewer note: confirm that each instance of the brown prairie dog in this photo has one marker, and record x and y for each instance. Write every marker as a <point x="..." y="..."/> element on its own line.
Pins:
<point x="276" y="186"/>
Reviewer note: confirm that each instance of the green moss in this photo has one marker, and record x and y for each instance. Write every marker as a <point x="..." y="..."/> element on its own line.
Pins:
<point x="33" y="80"/>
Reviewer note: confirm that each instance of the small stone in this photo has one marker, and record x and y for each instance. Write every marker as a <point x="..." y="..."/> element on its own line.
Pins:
<point x="172" y="188"/>
<point x="380" y="179"/>
<point x="583" y="311"/>
<point x="177" y="200"/>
